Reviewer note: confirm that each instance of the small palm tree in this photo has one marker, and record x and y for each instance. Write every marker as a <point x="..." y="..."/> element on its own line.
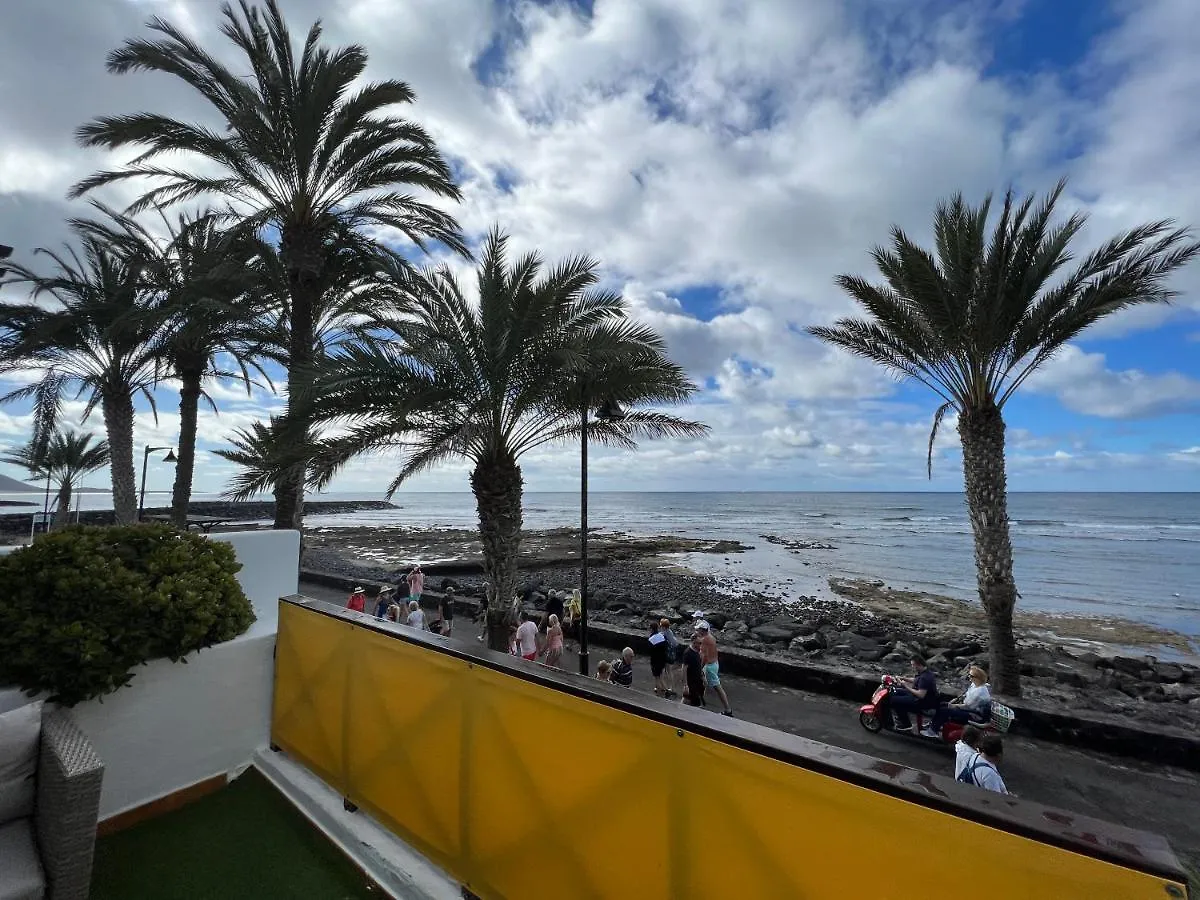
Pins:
<point x="262" y="451"/>
<point x="100" y="340"/>
<point x="300" y="146"/>
<point x="200" y="277"/>
<point x="65" y="459"/>
<point x="493" y="381"/>
<point x="975" y="319"/>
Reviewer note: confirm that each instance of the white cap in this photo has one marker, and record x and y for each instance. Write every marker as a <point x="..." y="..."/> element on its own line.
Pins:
<point x="702" y="625"/>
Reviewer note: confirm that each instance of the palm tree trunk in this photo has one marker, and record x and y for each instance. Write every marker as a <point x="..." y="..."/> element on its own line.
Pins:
<point x="62" y="515"/>
<point x="303" y="255"/>
<point x="982" y="435"/>
<point x="189" y="406"/>
<point x="497" y="484"/>
<point x="118" y="422"/>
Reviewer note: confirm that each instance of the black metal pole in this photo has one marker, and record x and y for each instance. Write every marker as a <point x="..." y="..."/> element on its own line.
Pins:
<point x="583" y="561"/>
<point x="142" y="496"/>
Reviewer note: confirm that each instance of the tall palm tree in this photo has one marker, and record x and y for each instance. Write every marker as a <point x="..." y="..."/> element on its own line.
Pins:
<point x="359" y="284"/>
<point x="66" y="458"/>
<point x="98" y="340"/>
<point x="298" y="147"/>
<point x="201" y="276"/>
<point x="974" y="319"/>
<point x="489" y="382"/>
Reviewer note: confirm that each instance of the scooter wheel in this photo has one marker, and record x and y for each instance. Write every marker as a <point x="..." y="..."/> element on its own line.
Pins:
<point x="870" y="721"/>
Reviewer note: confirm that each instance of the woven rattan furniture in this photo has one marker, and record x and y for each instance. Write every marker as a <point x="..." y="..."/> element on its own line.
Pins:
<point x="61" y="834"/>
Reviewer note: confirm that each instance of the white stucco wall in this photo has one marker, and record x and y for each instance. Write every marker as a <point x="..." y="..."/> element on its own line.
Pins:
<point x="177" y="724"/>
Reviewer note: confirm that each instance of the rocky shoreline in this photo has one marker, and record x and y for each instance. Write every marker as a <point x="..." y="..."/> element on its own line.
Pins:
<point x="867" y="627"/>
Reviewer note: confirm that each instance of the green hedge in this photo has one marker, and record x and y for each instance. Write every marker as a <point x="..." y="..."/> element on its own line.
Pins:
<point x="81" y="608"/>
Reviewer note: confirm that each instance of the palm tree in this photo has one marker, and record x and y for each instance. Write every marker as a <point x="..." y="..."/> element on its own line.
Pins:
<point x="201" y="276"/>
<point x="100" y="340"/>
<point x="299" y="148"/>
<point x="66" y="458"/>
<point x="359" y="284"/>
<point x="491" y="382"/>
<point x="974" y="319"/>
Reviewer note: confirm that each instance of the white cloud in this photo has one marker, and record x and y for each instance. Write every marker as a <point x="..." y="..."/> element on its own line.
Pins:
<point x="1082" y="382"/>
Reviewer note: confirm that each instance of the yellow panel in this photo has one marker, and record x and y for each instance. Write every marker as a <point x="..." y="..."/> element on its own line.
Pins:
<point x="520" y="790"/>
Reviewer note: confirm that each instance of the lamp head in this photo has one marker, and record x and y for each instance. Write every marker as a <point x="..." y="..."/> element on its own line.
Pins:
<point x="170" y="457"/>
<point x="610" y="411"/>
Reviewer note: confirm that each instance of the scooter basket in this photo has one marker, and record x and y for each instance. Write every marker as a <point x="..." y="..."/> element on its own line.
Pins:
<point x="1002" y="717"/>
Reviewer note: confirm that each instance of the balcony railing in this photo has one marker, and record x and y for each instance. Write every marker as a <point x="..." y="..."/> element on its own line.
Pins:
<point x="522" y="781"/>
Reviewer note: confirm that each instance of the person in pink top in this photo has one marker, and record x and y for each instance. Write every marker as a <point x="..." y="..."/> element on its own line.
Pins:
<point x="416" y="584"/>
<point x="357" y="601"/>
<point x="554" y="641"/>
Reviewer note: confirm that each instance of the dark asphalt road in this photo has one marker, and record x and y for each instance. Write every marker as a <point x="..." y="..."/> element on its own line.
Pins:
<point x="1129" y="792"/>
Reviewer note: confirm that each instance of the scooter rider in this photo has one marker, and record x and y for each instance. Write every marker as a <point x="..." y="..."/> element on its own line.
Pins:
<point x="914" y="695"/>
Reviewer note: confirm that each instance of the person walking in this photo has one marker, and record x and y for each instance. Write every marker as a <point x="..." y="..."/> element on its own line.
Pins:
<point x="482" y="616"/>
<point x="674" y="657"/>
<point x="693" y="669"/>
<point x="527" y="637"/>
<point x="416" y="584"/>
<point x="416" y="616"/>
<point x="983" y="770"/>
<point x="383" y="601"/>
<point x="554" y="641"/>
<point x="358" y="600"/>
<point x="446" y="610"/>
<point x="712" y="668"/>
<point x="658" y="661"/>
<point x="965" y="750"/>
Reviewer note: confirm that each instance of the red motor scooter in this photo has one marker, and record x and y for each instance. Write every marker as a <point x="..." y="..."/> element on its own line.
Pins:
<point x="877" y="715"/>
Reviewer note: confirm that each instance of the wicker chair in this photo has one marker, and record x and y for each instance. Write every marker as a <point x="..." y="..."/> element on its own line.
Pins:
<point x="66" y="810"/>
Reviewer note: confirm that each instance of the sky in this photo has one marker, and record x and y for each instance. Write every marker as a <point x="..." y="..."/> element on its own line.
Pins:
<point x="725" y="160"/>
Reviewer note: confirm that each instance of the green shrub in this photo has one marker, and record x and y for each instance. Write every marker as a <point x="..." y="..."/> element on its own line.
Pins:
<point x="82" y="607"/>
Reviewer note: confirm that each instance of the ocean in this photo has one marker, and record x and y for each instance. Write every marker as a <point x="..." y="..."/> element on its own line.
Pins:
<point x="1136" y="556"/>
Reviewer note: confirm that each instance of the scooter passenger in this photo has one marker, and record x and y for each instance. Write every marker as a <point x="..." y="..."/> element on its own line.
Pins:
<point x="974" y="706"/>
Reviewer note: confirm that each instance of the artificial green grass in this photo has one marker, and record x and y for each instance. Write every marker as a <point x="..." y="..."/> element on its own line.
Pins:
<point x="245" y="840"/>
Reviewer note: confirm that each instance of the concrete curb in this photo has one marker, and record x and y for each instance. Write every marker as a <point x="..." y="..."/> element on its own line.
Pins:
<point x="1092" y="731"/>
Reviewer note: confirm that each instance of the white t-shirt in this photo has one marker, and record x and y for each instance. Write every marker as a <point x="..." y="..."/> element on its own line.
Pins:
<point x="977" y="698"/>
<point x="985" y="774"/>
<point x="527" y="637"/>
<point x="416" y="618"/>
<point x="962" y="755"/>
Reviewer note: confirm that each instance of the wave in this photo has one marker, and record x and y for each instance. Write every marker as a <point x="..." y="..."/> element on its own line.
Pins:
<point x="900" y="508"/>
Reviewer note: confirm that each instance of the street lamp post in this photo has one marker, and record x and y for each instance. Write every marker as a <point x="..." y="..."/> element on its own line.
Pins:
<point x="608" y="412"/>
<point x="169" y="458"/>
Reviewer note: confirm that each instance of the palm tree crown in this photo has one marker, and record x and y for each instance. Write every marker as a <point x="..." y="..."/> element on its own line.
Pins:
<point x="974" y="319"/>
<point x="298" y="145"/>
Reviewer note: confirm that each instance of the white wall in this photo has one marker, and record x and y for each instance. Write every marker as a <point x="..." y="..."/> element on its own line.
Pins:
<point x="177" y="724"/>
<point x="270" y="570"/>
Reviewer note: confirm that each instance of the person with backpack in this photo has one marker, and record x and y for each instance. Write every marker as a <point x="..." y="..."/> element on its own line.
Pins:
<point x="965" y="749"/>
<point x="982" y="771"/>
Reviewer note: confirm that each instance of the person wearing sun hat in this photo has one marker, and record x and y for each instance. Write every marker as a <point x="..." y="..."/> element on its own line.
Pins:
<point x="358" y="600"/>
<point x="712" y="668"/>
<point x="383" y="601"/>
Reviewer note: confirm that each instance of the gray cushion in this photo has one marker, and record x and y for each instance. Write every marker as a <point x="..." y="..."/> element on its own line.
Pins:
<point x="20" y="730"/>
<point x="20" y="870"/>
